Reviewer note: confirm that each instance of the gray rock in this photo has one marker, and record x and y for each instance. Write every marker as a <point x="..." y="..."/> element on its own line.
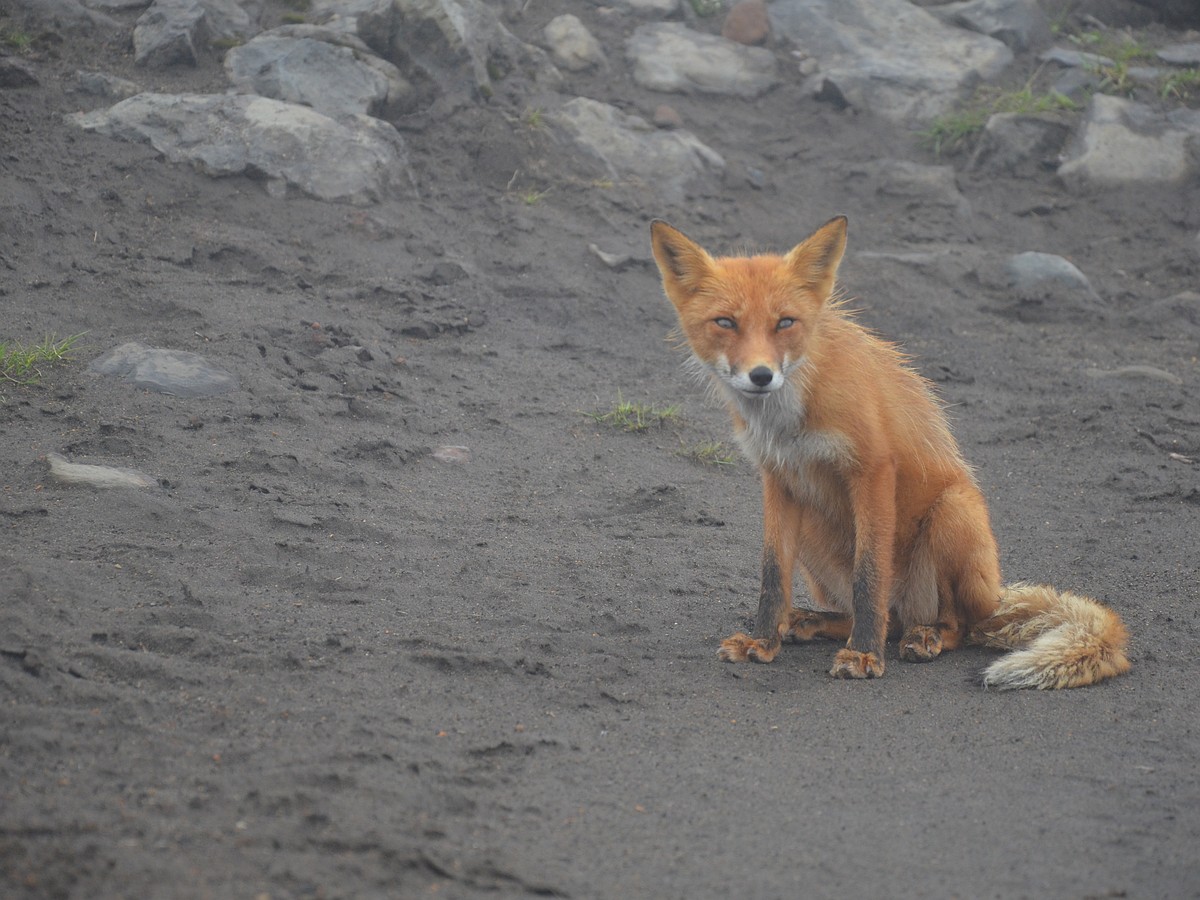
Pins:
<point x="1123" y="143"/>
<point x="1152" y="373"/>
<point x="571" y="45"/>
<point x="1048" y="288"/>
<point x="100" y="84"/>
<point x="16" y="74"/>
<point x="629" y="146"/>
<point x="1181" y="54"/>
<point x="355" y="159"/>
<point x="172" y="32"/>
<point x="1032" y="271"/>
<point x="333" y="73"/>
<point x="118" y="5"/>
<point x="175" y="372"/>
<point x="1015" y="144"/>
<point x="70" y="15"/>
<point x="1078" y="84"/>
<point x="669" y="56"/>
<point x="658" y="9"/>
<point x="1146" y="74"/>
<point x="888" y="56"/>
<point x="1019" y="24"/>
<point x="457" y="43"/>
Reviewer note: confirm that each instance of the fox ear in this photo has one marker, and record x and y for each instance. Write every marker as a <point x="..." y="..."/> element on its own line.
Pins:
<point x="684" y="264"/>
<point x="814" y="262"/>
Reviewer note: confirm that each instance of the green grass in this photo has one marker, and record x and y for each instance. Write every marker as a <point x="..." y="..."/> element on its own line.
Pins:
<point x="533" y="197"/>
<point x="709" y="453"/>
<point x="17" y="40"/>
<point x="706" y="8"/>
<point x="22" y="364"/>
<point x="1182" y="85"/>
<point x="951" y="132"/>
<point x="635" y="417"/>
<point x="534" y="118"/>
<point x="1121" y="49"/>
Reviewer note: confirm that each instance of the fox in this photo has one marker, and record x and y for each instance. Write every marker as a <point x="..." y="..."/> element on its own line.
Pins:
<point x="865" y="489"/>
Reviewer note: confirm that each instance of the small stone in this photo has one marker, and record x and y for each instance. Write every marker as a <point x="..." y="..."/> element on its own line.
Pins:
<point x="747" y="23"/>
<point x="666" y="117"/>
<point x="614" y="261"/>
<point x="15" y="74"/>
<point x="100" y="84"/>
<point x="1151" y="372"/>
<point x="453" y="454"/>
<point x="571" y="45"/>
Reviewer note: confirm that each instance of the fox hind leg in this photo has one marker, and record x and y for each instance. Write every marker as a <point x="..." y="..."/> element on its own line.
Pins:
<point x="809" y="624"/>
<point x="955" y="569"/>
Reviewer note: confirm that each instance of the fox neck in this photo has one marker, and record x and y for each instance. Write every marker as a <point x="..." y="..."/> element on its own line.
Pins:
<point x="767" y="427"/>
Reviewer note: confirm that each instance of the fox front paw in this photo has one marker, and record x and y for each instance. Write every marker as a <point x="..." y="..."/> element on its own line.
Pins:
<point x="855" y="664"/>
<point x="741" y="647"/>
<point x="920" y="643"/>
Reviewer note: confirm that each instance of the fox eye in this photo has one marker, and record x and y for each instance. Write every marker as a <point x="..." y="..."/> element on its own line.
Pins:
<point x="725" y="322"/>
<point x="785" y="322"/>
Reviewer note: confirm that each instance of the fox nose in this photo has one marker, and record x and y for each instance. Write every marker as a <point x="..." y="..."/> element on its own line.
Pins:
<point x="761" y="376"/>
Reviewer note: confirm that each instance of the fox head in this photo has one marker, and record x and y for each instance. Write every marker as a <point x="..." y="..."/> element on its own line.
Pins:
<point x="750" y="320"/>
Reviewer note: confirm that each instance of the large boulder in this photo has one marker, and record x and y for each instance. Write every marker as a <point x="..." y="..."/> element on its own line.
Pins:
<point x="1124" y="143"/>
<point x="669" y="56"/>
<point x="888" y="56"/>
<point x="355" y="159"/>
<point x="333" y="72"/>
<point x="630" y="147"/>
<point x="447" y="46"/>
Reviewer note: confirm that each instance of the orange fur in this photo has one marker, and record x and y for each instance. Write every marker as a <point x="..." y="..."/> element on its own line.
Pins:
<point x="865" y="491"/>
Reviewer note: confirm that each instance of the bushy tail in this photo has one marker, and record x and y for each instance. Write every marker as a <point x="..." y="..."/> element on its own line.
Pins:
<point x="1057" y="639"/>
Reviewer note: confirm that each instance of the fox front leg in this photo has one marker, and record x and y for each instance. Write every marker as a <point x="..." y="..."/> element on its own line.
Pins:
<point x="775" y="597"/>
<point x="874" y="526"/>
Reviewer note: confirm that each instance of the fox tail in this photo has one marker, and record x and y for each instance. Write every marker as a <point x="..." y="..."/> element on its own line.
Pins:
<point x="1058" y="640"/>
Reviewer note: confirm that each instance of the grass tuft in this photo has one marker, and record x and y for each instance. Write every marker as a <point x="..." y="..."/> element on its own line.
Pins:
<point x="709" y="453"/>
<point x="21" y="363"/>
<point x="636" y="417"/>
<point x="951" y="132"/>
<point x="1182" y="85"/>
<point x="15" y="39"/>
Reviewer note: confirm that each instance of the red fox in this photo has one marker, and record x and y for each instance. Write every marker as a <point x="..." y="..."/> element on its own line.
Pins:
<point x="864" y="487"/>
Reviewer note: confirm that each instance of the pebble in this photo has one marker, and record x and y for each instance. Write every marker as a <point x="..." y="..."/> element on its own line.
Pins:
<point x="747" y="23"/>
<point x="453" y="454"/>
<point x="1151" y="372"/>
<point x="666" y="117"/>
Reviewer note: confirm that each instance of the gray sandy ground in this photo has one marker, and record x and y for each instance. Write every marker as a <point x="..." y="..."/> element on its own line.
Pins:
<point x="317" y="660"/>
